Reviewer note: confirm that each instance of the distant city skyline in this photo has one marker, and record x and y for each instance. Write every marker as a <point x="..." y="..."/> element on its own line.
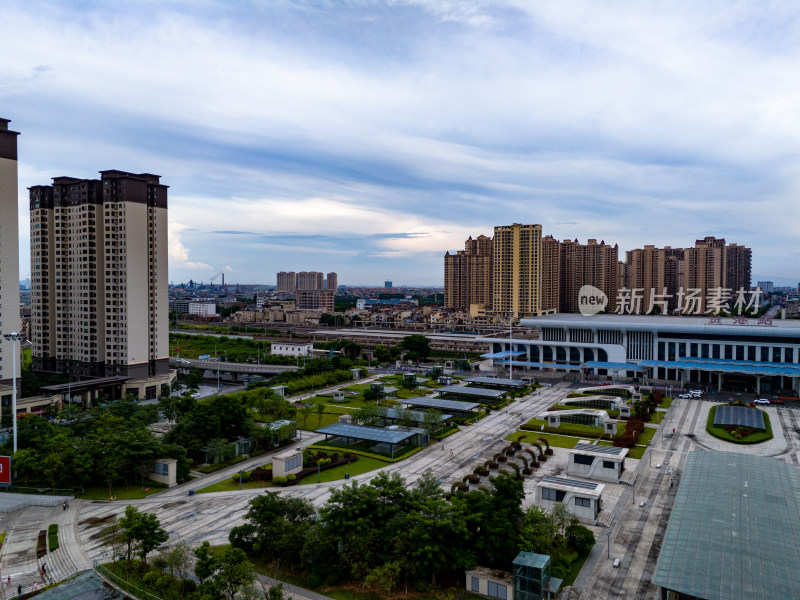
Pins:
<point x="368" y="139"/>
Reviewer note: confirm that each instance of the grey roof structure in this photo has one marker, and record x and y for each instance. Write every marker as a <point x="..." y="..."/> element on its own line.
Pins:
<point x="531" y="559"/>
<point x="371" y="434"/>
<point x="452" y="405"/>
<point x="739" y="415"/>
<point x="393" y="413"/>
<point x="468" y="391"/>
<point x="573" y="483"/>
<point x="598" y="449"/>
<point x="734" y="531"/>
<point x="514" y="383"/>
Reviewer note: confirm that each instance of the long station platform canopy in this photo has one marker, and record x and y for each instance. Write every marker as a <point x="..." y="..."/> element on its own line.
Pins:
<point x="370" y="434"/>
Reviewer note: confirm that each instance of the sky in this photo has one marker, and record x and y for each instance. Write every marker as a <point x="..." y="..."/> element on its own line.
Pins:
<point x="369" y="137"/>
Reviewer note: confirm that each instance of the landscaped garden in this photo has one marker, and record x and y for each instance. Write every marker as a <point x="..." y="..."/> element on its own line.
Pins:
<point x="737" y="434"/>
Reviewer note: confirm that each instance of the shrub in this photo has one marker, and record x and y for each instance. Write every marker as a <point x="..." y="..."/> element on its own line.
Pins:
<point x="245" y="477"/>
<point x="150" y="578"/>
<point x="291" y="477"/>
<point x="261" y="474"/>
<point x="280" y="480"/>
<point x="52" y="529"/>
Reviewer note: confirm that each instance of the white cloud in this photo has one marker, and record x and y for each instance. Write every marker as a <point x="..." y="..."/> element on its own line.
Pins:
<point x="178" y="253"/>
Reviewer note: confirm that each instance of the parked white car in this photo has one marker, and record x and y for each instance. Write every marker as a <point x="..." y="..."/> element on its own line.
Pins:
<point x="761" y="401"/>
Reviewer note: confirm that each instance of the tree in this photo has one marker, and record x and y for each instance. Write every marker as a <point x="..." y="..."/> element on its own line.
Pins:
<point x="369" y="415"/>
<point x="320" y="408"/>
<point x="381" y="354"/>
<point x="433" y="421"/>
<point x="275" y="526"/>
<point x="417" y="347"/>
<point x="233" y="572"/>
<point x="206" y="564"/>
<point x="141" y="531"/>
<point x="406" y="418"/>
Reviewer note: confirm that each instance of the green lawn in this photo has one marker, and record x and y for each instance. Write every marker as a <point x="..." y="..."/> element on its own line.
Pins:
<point x="362" y="465"/>
<point x="313" y="422"/>
<point x="657" y="417"/>
<point x="556" y="441"/>
<point x="2" y="539"/>
<point x="356" y="387"/>
<point x="665" y="403"/>
<point x="228" y="485"/>
<point x="574" y="570"/>
<point x="755" y="438"/>
<point x="122" y="492"/>
<point x="586" y="431"/>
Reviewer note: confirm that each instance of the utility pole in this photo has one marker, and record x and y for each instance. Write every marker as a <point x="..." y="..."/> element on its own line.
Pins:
<point x="510" y="353"/>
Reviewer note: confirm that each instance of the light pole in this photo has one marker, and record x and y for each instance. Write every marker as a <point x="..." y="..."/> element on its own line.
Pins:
<point x="608" y="543"/>
<point x="510" y="353"/>
<point x="14" y="338"/>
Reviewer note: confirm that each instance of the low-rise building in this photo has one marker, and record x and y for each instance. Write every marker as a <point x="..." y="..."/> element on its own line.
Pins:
<point x="592" y="461"/>
<point x="282" y="349"/>
<point x="582" y="498"/>
<point x="203" y="309"/>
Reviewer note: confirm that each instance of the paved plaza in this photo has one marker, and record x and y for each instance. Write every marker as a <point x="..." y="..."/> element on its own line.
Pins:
<point x="640" y="511"/>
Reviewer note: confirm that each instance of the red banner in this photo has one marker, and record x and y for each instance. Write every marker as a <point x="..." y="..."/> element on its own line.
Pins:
<point x="5" y="470"/>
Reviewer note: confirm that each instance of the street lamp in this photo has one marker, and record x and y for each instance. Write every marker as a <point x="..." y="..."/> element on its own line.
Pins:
<point x="13" y="338"/>
<point x="510" y="352"/>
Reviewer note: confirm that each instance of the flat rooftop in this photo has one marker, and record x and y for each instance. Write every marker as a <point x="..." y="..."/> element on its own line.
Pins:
<point x="573" y="485"/>
<point x="440" y="403"/>
<point x="515" y="383"/>
<point x="471" y="391"/>
<point x="734" y="531"/>
<point x="370" y="434"/>
<point x="726" y="326"/>
<point x="610" y="452"/>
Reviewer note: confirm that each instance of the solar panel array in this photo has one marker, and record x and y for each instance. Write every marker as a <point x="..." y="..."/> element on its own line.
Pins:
<point x="372" y="434"/>
<point x="739" y="416"/>
<point x="570" y="482"/>
<point x="452" y="405"/>
<point x="468" y="391"/>
<point x="598" y="448"/>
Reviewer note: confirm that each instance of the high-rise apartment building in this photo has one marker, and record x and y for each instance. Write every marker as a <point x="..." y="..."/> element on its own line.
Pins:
<point x="99" y="277"/>
<point x="517" y="264"/>
<point x="738" y="261"/>
<point x="332" y="281"/>
<point x="657" y="272"/>
<point x="310" y="280"/>
<point x="592" y="264"/>
<point x="468" y="275"/>
<point x="9" y="258"/>
<point x="704" y="268"/>
<point x="551" y="274"/>
<point x="287" y="281"/>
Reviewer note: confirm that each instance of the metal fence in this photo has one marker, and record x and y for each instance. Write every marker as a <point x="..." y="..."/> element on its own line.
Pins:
<point x="123" y="585"/>
<point x="24" y="497"/>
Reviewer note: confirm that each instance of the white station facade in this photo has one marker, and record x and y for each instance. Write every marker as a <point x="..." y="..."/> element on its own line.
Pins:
<point x="761" y="355"/>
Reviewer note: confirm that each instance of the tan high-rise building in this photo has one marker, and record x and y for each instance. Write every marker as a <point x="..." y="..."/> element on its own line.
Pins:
<point x="517" y="264"/>
<point x="738" y="261"/>
<point x="9" y="259"/>
<point x="704" y="268"/>
<point x="99" y="277"/>
<point x="310" y="280"/>
<point x="332" y="281"/>
<point x="551" y="274"/>
<point x="287" y="281"/>
<point x="592" y="264"/>
<point x="656" y="273"/>
<point x="468" y="275"/>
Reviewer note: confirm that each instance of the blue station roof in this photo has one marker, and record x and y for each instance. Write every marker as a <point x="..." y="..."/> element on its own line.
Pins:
<point x="439" y="403"/>
<point x="599" y="364"/>
<point x="497" y="381"/>
<point x="726" y="366"/>
<point x="503" y="354"/>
